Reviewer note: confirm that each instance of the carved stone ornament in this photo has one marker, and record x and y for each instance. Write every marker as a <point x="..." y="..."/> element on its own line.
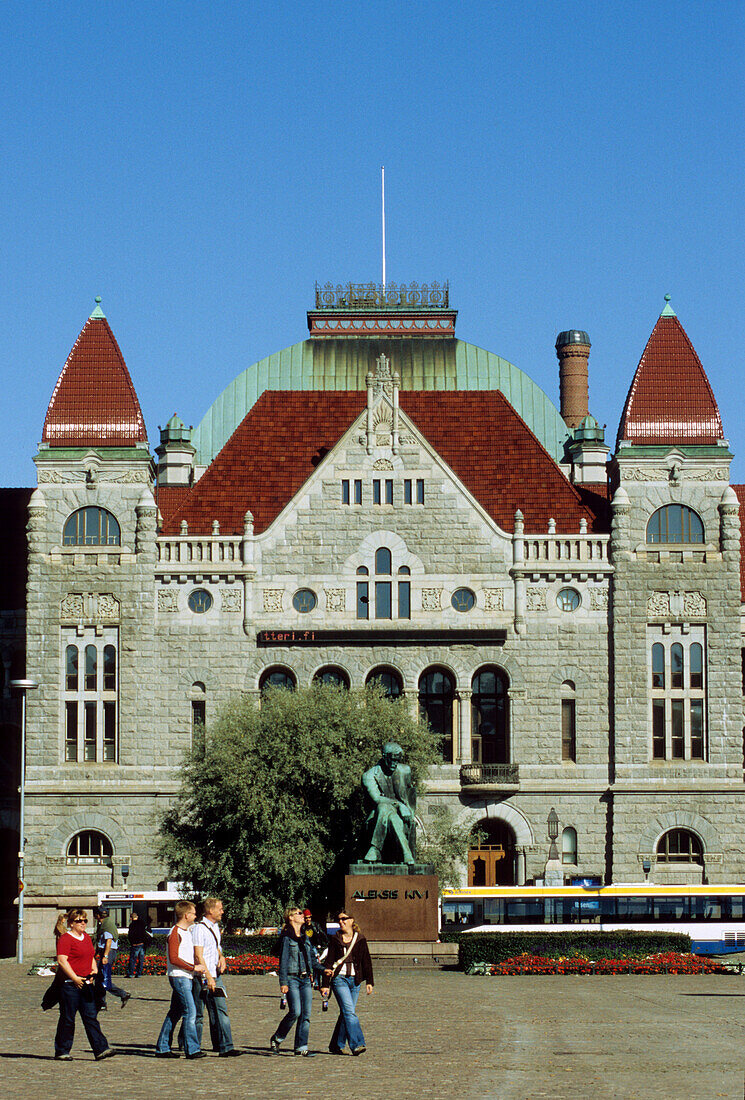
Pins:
<point x="230" y="599"/>
<point x="383" y="377"/>
<point x="536" y="599"/>
<point x="659" y="603"/>
<point x="694" y="605"/>
<point x="431" y="599"/>
<point x="107" y="609"/>
<point x="664" y="473"/>
<point x="382" y="464"/>
<point x="493" y="599"/>
<point x="71" y="607"/>
<point x="273" y="599"/>
<point x="599" y="599"/>
<point x="129" y="477"/>
<point x="168" y="599"/>
<point x="336" y="599"/>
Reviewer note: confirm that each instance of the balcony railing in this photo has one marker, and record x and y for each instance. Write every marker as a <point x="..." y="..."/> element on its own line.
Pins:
<point x="566" y="548"/>
<point x="507" y="775"/>
<point x="197" y="550"/>
<point x="374" y="296"/>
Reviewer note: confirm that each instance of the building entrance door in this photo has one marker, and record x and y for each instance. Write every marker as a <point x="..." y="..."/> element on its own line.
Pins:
<point x="491" y="859"/>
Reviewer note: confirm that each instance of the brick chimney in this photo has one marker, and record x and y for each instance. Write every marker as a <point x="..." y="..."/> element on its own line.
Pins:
<point x="573" y="352"/>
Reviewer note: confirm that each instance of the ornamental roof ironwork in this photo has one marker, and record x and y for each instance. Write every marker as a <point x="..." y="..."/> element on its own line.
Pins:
<point x="376" y="296"/>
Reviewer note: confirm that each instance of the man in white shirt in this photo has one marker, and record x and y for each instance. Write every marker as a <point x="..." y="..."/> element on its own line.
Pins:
<point x="208" y="988"/>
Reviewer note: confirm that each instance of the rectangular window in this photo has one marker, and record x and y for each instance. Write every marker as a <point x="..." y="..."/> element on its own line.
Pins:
<point x="376" y="491"/>
<point x="358" y="491"/>
<point x="658" y="729"/>
<point x="90" y="707"/>
<point x="420" y="491"/>
<point x="71" y="731"/>
<point x="345" y="492"/>
<point x="677" y="739"/>
<point x="568" y="730"/>
<point x="382" y="599"/>
<point x="408" y="498"/>
<point x="697" y="729"/>
<point x="89" y="746"/>
<point x="109" y="731"/>
<point x="198" y="722"/>
<point x="389" y="491"/>
<point x="404" y="599"/>
<point x="363" y="600"/>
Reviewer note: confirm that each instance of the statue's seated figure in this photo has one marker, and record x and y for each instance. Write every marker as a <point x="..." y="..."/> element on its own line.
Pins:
<point x="391" y="798"/>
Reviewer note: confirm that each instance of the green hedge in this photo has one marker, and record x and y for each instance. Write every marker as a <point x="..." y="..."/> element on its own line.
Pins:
<point x="497" y="946"/>
<point x="231" y="945"/>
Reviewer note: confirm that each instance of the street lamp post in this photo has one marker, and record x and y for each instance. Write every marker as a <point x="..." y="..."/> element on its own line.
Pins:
<point x="23" y="686"/>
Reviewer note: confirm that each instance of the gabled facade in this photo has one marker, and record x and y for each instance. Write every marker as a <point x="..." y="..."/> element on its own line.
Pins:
<point x="386" y="501"/>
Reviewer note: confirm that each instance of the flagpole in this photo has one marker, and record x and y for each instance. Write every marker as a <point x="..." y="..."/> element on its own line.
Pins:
<point x="382" y="199"/>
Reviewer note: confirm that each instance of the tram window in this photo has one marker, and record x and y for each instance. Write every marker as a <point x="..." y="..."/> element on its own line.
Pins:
<point x="671" y="908"/>
<point x="715" y="909"/>
<point x="457" y="912"/>
<point x="634" y="909"/>
<point x="493" y="911"/>
<point x="737" y="907"/>
<point x="525" y="911"/>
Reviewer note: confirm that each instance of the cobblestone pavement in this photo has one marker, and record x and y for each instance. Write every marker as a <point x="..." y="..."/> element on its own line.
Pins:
<point x="430" y="1034"/>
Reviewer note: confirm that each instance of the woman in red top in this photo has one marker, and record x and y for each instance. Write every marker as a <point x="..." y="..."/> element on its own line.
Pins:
<point x="77" y="965"/>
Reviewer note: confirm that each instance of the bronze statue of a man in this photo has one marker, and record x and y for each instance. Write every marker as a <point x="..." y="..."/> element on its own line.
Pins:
<point x="390" y="790"/>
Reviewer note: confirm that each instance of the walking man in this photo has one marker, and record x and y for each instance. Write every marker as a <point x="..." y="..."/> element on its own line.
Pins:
<point x="210" y="990"/>
<point x="181" y="970"/>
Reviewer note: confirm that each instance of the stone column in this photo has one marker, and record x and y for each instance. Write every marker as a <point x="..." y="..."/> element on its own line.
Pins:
<point x="518" y="559"/>
<point x="464" y="753"/>
<point x="520" y="865"/>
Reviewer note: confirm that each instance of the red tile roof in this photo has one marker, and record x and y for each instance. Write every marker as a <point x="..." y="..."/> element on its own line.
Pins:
<point x="670" y="400"/>
<point x="286" y="434"/>
<point x="170" y="498"/>
<point x="94" y="403"/>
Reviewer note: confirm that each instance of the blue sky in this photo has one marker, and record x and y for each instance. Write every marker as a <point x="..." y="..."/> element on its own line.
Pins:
<point x="201" y="165"/>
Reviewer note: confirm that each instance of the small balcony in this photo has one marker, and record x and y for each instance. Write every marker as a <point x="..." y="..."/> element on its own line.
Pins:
<point x="490" y="777"/>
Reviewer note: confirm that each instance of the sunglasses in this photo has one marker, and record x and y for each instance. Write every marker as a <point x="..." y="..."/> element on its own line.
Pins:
<point x="80" y="920"/>
<point x="346" y="918"/>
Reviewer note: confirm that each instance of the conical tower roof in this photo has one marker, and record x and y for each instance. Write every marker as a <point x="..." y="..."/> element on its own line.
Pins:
<point x="670" y="401"/>
<point x="94" y="403"/>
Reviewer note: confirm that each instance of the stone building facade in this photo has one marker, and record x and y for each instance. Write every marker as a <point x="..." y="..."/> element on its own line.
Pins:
<point x="384" y="500"/>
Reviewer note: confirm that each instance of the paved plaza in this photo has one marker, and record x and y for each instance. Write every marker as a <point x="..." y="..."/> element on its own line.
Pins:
<point x="430" y="1034"/>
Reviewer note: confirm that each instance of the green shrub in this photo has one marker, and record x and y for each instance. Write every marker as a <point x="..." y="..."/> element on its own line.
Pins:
<point x="497" y="946"/>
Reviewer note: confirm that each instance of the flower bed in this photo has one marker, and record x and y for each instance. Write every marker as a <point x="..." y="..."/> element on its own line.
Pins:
<point x="237" y="964"/>
<point x="669" y="962"/>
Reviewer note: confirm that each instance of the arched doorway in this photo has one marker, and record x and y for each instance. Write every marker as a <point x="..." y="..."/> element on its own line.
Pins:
<point x="491" y="857"/>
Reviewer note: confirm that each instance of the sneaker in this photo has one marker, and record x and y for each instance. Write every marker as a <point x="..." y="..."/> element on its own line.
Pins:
<point x="199" y="1054"/>
<point x="274" y="1044"/>
<point x="359" y="1050"/>
<point x="108" y="1053"/>
<point x="166" y="1054"/>
<point x="231" y="1053"/>
<point x="335" y="1050"/>
<point x="63" y="1057"/>
<point x="125" y="998"/>
<point x="305" y="1053"/>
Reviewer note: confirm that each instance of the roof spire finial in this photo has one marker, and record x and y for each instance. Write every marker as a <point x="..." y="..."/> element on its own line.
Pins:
<point x="668" y="310"/>
<point x="98" y="312"/>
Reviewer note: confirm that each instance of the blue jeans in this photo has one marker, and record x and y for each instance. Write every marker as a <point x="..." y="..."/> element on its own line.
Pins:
<point x="347" y="1028"/>
<point x="217" y="1014"/>
<point x="72" y="1001"/>
<point x="108" y="985"/>
<point x="299" y="1004"/>
<point x="136" y="960"/>
<point x="182" y="1004"/>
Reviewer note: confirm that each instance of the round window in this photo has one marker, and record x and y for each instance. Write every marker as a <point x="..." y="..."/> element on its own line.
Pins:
<point x="304" y="600"/>
<point x="463" y="599"/>
<point x="568" y="599"/>
<point x="200" y="601"/>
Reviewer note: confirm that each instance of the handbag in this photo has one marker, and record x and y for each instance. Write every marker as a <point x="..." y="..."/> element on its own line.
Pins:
<point x="52" y="992"/>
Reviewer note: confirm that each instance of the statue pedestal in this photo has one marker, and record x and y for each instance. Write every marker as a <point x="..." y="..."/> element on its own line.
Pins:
<point x="395" y="903"/>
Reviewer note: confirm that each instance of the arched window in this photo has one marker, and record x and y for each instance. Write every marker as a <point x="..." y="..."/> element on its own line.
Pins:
<point x="383" y="560"/>
<point x="91" y="527"/>
<point x="277" y="677"/>
<point x="680" y="846"/>
<point x="198" y="697"/>
<point x="390" y="680"/>
<point x="569" y="845"/>
<point x="675" y="523"/>
<point x="489" y="708"/>
<point x="332" y="675"/>
<point x="91" y="668"/>
<point x="436" y="695"/>
<point x="568" y="721"/>
<point x="71" y="668"/>
<point x="89" y="848"/>
<point x="383" y="589"/>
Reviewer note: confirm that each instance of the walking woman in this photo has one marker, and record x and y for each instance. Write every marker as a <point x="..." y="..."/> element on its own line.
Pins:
<point x="348" y="965"/>
<point x="75" y="960"/>
<point x="298" y="963"/>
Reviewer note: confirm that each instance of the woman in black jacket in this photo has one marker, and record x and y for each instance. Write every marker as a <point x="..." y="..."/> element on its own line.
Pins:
<point x="348" y="965"/>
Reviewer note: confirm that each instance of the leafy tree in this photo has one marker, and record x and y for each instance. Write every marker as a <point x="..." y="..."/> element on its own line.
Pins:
<point x="271" y="809"/>
<point x="446" y="847"/>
